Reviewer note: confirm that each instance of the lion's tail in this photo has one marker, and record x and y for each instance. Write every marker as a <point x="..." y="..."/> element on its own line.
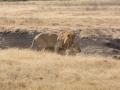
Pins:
<point x="32" y="44"/>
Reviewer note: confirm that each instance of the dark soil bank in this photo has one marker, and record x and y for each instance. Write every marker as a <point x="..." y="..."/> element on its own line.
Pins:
<point x="102" y="45"/>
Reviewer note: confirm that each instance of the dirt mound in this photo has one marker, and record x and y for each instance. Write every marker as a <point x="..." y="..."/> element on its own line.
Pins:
<point x="100" y="44"/>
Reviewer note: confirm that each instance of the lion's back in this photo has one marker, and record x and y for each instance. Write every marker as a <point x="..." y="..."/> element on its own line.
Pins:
<point x="48" y="38"/>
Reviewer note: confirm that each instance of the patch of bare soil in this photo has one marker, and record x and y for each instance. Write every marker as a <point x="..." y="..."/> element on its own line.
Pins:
<point x="99" y="44"/>
<point x="16" y="39"/>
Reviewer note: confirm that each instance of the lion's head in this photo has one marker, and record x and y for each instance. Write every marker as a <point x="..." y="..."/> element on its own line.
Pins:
<point x="73" y="50"/>
<point x="68" y="39"/>
<point x="76" y="48"/>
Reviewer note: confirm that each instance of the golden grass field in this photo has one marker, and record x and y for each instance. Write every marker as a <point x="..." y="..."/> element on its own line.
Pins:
<point x="26" y="69"/>
<point x="30" y="70"/>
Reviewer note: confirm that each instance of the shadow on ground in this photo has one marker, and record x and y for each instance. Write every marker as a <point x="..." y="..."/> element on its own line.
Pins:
<point x="113" y="43"/>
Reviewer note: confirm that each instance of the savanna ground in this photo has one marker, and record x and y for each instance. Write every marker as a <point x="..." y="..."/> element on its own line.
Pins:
<point x="94" y="69"/>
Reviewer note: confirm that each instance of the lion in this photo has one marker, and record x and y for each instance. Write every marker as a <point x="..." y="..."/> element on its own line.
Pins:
<point x="71" y="51"/>
<point x="44" y="40"/>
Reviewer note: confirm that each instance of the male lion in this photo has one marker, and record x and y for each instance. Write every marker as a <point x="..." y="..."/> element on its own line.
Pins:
<point x="44" y="40"/>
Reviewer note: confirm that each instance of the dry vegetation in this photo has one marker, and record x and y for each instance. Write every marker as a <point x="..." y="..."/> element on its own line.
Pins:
<point x="24" y="69"/>
<point x="30" y="70"/>
<point x="58" y="15"/>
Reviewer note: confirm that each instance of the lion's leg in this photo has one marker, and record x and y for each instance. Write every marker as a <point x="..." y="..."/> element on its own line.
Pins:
<point x="42" y="50"/>
<point x="56" y="49"/>
<point x="67" y="52"/>
<point x="39" y="48"/>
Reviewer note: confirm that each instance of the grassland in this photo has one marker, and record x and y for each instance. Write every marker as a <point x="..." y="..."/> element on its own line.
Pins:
<point x="59" y="15"/>
<point x="25" y="69"/>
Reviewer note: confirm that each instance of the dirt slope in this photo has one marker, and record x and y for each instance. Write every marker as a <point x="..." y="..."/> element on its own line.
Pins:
<point x="93" y="44"/>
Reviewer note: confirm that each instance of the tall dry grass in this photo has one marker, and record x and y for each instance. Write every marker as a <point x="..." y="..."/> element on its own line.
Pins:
<point x="30" y="70"/>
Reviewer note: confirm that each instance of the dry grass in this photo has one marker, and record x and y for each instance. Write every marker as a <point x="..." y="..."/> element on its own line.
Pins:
<point x="26" y="70"/>
<point x="57" y="13"/>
